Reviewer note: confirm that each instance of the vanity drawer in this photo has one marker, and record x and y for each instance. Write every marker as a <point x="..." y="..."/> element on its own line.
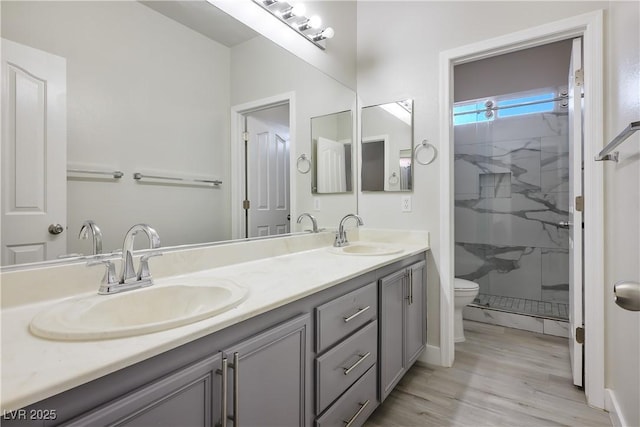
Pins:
<point x="344" y="315"/>
<point x="355" y="405"/>
<point x="337" y="369"/>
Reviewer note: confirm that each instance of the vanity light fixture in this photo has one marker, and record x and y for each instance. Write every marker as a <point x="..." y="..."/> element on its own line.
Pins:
<point x="292" y="15"/>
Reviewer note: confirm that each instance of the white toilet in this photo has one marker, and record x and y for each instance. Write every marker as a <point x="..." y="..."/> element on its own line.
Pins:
<point x="465" y="291"/>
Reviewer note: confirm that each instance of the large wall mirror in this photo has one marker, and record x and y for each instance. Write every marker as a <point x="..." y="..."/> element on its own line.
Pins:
<point x="146" y="88"/>
<point x="387" y="147"/>
<point x="332" y="152"/>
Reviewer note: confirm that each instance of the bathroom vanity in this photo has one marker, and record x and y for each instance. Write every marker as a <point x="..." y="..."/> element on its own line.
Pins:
<point x="321" y="340"/>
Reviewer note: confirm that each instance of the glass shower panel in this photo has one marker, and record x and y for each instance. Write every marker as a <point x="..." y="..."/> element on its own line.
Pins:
<point x="511" y="192"/>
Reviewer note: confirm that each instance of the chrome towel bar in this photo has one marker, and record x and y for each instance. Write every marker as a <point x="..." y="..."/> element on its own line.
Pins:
<point x="114" y="174"/>
<point x="626" y="133"/>
<point x="178" y="180"/>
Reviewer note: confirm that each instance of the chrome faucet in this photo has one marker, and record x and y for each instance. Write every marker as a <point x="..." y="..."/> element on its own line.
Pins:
<point x="89" y="226"/>
<point x="314" y="222"/>
<point x="129" y="279"/>
<point x="128" y="272"/>
<point x="341" y="235"/>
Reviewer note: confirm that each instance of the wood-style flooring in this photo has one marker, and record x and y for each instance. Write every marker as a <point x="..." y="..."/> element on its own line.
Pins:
<point x="501" y="377"/>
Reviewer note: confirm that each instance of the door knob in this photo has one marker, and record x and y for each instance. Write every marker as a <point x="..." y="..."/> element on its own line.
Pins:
<point x="564" y="224"/>
<point x="627" y="295"/>
<point x="56" y="229"/>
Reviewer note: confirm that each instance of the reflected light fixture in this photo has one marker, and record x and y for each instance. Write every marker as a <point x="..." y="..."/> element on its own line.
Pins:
<point x="292" y="15"/>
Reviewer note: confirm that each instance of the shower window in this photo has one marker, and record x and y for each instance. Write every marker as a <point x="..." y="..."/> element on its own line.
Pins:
<point x="507" y="106"/>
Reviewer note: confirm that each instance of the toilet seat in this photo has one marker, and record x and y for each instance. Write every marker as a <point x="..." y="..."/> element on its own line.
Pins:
<point x="465" y="285"/>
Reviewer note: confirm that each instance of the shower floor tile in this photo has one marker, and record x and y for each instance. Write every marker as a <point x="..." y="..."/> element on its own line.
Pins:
<point x="554" y="310"/>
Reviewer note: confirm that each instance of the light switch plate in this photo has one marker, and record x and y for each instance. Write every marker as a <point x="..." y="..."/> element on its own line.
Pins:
<point x="405" y="204"/>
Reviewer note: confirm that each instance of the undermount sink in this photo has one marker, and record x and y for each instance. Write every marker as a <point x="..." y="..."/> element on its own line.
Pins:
<point x="367" y="248"/>
<point x="138" y="312"/>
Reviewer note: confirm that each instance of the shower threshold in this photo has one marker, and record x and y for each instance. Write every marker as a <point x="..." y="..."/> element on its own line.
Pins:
<point x="542" y="309"/>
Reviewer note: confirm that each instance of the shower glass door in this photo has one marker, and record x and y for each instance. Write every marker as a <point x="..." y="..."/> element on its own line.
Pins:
<point x="512" y="201"/>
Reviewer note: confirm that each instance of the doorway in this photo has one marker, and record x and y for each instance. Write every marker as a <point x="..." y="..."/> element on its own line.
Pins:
<point x="262" y="198"/>
<point x="590" y="27"/>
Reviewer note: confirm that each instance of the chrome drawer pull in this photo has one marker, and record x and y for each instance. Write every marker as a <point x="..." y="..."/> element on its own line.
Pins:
<point x="356" y="415"/>
<point x="223" y="409"/>
<point x="356" y="314"/>
<point x="352" y="367"/>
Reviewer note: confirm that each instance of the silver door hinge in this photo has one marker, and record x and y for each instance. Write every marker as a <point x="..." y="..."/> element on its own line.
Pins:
<point x="580" y="335"/>
<point x="246" y="204"/>
<point x="580" y="204"/>
<point x="579" y="77"/>
<point x="245" y="136"/>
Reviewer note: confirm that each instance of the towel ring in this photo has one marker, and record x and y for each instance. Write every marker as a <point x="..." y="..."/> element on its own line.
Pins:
<point x="393" y="179"/>
<point x="305" y="161"/>
<point x="425" y="145"/>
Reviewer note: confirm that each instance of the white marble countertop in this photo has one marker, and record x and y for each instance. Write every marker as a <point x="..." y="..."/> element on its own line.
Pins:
<point x="34" y="368"/>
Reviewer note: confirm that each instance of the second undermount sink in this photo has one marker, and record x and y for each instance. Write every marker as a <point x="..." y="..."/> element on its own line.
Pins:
<point x="138" y="312"/>
<point x="367" y="248"/>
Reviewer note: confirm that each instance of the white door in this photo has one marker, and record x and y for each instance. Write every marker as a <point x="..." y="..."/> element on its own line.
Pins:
<point x="268" y="178"/>
<point x="575" y="216"/>
<point x="331" y="166"/>
<point x="34" y="154"/>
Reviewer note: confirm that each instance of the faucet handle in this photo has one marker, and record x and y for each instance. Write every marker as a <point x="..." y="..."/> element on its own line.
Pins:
<point x="110" y="274"/>
<point x="143" y="271"/>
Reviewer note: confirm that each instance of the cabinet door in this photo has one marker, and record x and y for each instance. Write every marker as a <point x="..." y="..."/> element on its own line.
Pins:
<point x="188" y="397"/>
<point x="392" y="356"/>
<point x="415" y="319"/>
<point x="268" y="377"/>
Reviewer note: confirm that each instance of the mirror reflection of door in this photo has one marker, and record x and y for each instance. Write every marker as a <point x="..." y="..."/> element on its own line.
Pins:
<point x="331" y="148"/>
<point x="34" y="154"/>
<point x="392" y="158"/>
<point x="267" y="172"/>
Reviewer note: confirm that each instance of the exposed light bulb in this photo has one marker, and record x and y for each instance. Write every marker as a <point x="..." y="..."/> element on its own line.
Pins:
<point x="297" y="9"/>
<point x="328" y="33"/>
<point x="315" y="21"/>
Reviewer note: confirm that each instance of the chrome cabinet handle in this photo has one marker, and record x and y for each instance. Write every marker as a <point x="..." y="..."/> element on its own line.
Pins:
<point x="564" y="224"/>
<point x="348" y="370"/>
<point x="358" y="313"/>
<point x="223" y="411"/>
<point x="236" y="393"/>
<point x="55" y="229"/>
<point x="356" y="415"/>
<point x="410" y="286"/>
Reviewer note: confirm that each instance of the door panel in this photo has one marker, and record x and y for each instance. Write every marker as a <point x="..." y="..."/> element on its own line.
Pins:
<point x="268" y="178"/>
<point x="34" y="149"/>
<point x="575" y="217"/>
<point x="331" y="164"/>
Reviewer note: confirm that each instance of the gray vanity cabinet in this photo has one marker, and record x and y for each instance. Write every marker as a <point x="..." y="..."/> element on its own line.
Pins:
<point x="268" y="374"/>
<point x="402" y="323"/>
<point x="187" y="397"/>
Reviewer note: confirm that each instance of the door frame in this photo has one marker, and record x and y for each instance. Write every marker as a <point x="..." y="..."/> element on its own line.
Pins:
<point x="589" y="26"/>
<point x="237" y="155"/>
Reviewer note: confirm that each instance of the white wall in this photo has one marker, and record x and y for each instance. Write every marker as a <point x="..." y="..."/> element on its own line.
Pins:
<point x="260" y="69"/>
<point x="401" y="61"/>
<point x="622" y="206"/>
<point x="144" y="93"/>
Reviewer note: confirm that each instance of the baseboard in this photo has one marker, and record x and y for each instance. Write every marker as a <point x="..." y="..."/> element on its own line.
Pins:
<point x="431" y="356"/>
<point x="611" y="405"/>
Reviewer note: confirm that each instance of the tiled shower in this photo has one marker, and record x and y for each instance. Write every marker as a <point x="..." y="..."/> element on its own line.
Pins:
<point x="511" y="193"/>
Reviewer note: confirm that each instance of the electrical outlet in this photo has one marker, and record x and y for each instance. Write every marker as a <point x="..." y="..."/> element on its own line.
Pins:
<point x="405" y="204"/>
<point x="316" y="204"/>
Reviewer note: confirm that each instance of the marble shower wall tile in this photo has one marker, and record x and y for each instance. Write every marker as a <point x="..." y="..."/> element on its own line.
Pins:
<point x="510" y="193"/>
